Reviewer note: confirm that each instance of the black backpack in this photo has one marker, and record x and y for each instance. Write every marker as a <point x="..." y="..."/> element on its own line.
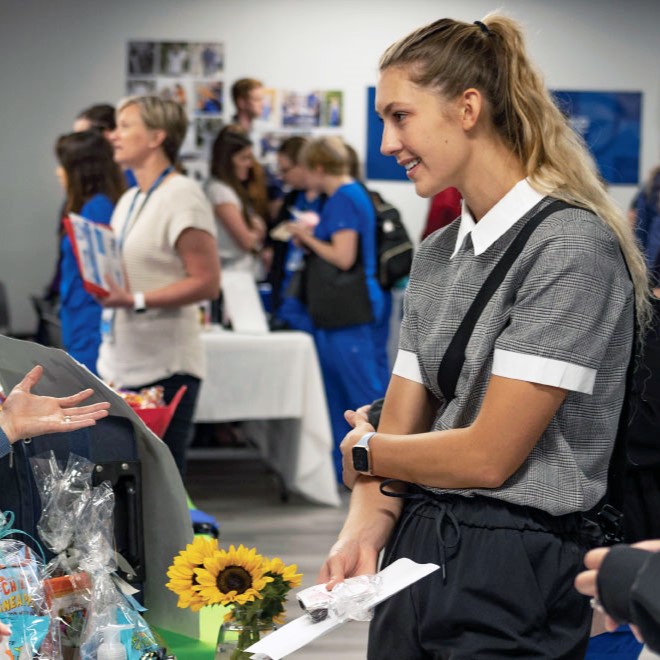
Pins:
<point x="634" y="475"/>
<point x="394" y="248"/>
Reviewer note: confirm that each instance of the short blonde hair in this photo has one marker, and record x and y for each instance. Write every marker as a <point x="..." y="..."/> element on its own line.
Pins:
<point x="161" y="114"/>
<point x="330" y="153"/>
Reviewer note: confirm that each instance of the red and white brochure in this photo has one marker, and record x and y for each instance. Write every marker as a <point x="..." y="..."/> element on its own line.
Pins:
<point x="97" y="252"/>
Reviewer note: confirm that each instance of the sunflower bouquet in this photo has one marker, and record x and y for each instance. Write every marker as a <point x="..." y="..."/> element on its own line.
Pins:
<point x="254" y="586"/>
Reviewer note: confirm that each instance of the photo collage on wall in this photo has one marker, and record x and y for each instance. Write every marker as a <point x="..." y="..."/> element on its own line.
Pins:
<point x="192" y="73"/>
<point x="309" y="114"/>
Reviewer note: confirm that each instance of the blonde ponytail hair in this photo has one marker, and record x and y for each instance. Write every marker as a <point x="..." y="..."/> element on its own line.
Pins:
<point x="452" y="56"/>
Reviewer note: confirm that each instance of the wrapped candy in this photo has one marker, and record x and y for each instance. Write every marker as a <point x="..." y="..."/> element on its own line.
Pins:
<point x="108" y="606"/>
<point x="22" y="601"/>
<point x="27" y="634"/>
<point x="82" y="592"/>
<point x="149" y="397"/>
<point x="20" y="578"/>
<point x="347" y="600"/>
<point x="64" y="493"/>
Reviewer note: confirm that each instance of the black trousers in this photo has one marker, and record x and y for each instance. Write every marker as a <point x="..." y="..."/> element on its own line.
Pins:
<point x="505" y="588"/>
<point x="179" y="434"/>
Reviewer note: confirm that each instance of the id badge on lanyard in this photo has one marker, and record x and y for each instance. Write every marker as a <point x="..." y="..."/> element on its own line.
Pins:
<point x="108" y="314"/>
<point x="108" y="324"/>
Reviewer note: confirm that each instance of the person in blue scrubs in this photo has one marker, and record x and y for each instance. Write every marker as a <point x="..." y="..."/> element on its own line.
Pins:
<point x="350" y="357"/>
<point x="288" y="311"/>
<point x="93" y="183"/>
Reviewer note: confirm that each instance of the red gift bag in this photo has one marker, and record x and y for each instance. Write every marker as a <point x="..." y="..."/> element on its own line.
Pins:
<point x="158" y="419"/>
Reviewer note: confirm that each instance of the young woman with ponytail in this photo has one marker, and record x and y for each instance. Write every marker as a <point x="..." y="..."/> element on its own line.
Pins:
<point x="490" y="481"/>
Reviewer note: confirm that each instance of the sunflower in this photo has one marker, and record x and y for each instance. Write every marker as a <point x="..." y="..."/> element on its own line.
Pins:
<point x="183" y="580"/>
<point x="277" y="568"/>
<point x="274" y="595"/>
<point x="233" y="576"/>
<point x="201" y="548"/>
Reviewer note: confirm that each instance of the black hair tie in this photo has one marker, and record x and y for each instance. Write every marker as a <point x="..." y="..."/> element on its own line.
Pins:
<point x="483" y="27"/>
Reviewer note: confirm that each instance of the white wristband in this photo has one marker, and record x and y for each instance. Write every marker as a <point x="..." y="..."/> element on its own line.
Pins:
<point x="139" y="304"/>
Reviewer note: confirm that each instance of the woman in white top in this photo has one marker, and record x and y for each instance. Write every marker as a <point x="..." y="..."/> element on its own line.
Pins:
<point x="241" y="231"/>
<point x="166" y="233"/>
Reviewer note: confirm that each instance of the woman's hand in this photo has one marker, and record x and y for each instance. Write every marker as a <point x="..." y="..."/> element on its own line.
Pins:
<point x="347" y="558"/>
<point x="299" y="232"/>
<point x="360" y="427"/>
<point x="363" y="412"/>
<point x="25" y="414"/>
<point x="586" y="582"/>
<point x="118" y="297"/>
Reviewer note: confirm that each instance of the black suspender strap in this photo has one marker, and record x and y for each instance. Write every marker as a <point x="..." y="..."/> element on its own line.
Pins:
<point x="453" y="359"/>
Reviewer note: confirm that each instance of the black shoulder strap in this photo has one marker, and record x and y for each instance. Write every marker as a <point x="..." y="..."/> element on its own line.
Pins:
<point x="620" y="460"/>
<point x="452" y="362"/>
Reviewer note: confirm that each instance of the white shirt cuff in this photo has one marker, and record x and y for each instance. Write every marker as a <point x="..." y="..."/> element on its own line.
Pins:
<point x="406" y="365"/>
<point x="545" y="371"/>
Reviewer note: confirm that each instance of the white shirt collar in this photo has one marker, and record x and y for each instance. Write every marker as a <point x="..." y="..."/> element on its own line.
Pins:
<point x="518" y="201"/>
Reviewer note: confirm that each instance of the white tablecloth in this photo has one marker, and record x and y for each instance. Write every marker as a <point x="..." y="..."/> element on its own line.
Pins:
<point x="276" y="379"/>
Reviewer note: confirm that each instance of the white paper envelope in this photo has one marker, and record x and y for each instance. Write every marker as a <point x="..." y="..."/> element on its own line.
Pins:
<point x="301" y="631"/>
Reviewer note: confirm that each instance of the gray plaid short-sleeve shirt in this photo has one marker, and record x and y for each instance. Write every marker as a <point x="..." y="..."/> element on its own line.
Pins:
<point x="563" y="316"/>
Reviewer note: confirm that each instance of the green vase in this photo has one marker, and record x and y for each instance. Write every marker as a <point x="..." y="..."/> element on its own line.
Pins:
<point x="234" y="638"/>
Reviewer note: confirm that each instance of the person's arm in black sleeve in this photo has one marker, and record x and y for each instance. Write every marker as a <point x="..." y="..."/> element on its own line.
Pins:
<point x="629" y="590"/>
<point x="645" y="602"/>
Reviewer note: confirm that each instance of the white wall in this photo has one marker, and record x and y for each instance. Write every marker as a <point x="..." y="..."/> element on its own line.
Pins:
<point x="58" y="57"/>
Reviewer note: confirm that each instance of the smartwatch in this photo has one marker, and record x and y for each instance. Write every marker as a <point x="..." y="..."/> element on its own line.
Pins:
<point x="139" y="304"/>
<point x="361" y="461"/>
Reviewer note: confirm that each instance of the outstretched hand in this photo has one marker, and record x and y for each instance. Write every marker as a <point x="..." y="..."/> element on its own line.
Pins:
<point x="25" y="414"/>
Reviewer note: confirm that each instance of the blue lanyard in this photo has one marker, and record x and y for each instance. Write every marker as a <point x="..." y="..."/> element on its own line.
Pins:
<point x="154" y="185"/>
